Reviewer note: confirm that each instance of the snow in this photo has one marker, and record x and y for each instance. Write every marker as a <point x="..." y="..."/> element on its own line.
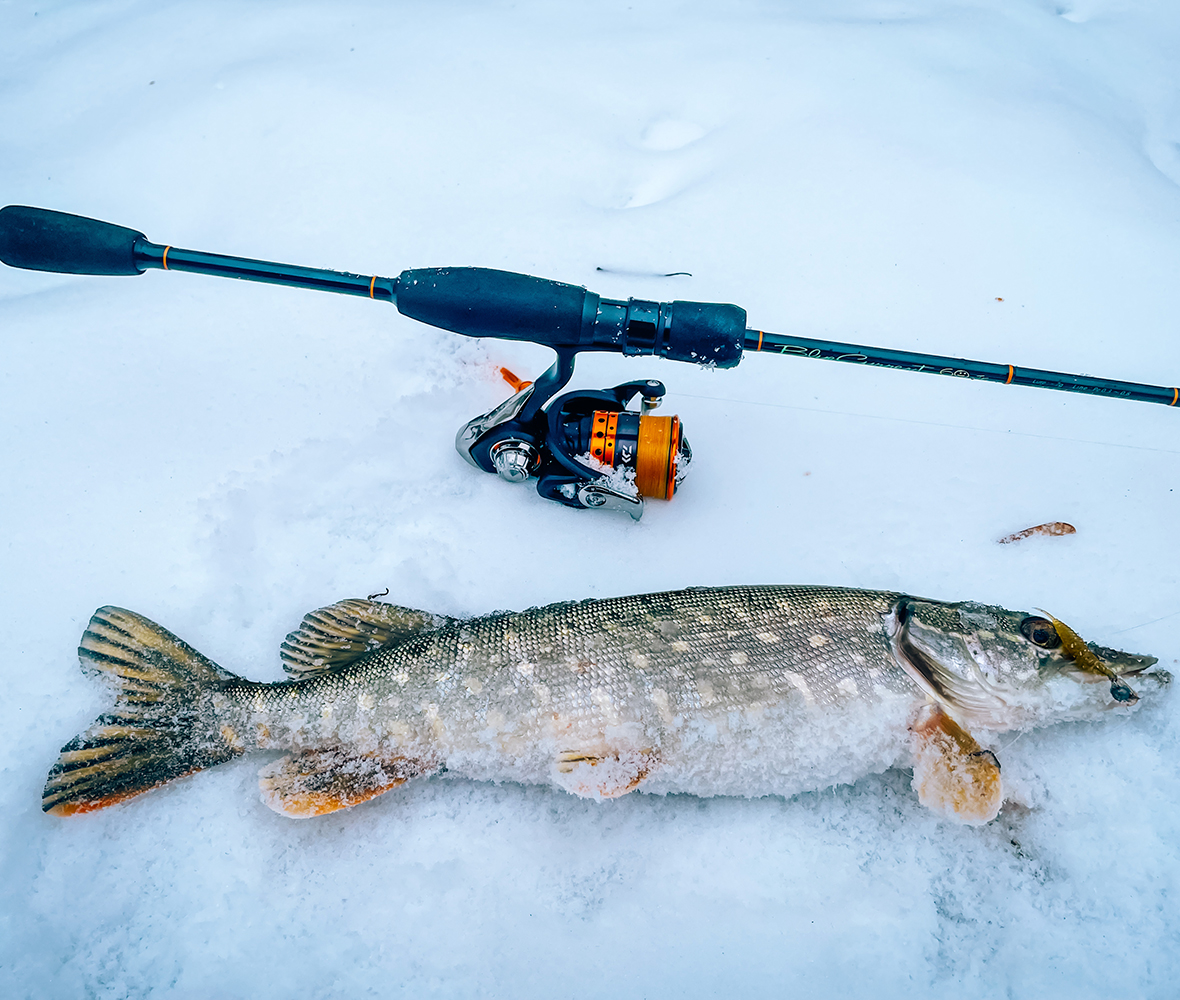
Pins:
<point x="224" y="457"/>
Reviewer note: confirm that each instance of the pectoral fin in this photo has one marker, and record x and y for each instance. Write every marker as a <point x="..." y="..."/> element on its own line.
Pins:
<point x="322" y="781"/>
<point x="603" y="773"/>
<point x="953" y="775"/>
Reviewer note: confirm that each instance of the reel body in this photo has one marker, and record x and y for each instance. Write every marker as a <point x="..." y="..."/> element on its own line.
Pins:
<point x="586" y="448"/>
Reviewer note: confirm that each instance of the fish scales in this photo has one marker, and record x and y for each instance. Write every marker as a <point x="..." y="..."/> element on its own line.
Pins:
<point x="730" y="690"/>
<point x="668" y="674"/>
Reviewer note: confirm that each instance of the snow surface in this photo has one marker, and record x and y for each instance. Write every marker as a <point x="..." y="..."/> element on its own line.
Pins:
<point x="224" y="457"/>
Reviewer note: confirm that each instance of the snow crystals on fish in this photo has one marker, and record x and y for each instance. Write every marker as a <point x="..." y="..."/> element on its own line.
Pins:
<point x="708" y="691"/>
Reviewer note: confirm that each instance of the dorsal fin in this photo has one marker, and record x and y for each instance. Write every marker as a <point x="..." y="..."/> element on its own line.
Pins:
<point x="342" y="633"/>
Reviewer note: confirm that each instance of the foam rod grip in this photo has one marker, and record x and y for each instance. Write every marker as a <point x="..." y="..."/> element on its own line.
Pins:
<point x="42" y="240"/>
<point x="481" y="302"/>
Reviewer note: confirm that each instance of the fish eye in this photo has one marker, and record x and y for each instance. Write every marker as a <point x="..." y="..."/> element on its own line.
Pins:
<point x="1040" y="632"/>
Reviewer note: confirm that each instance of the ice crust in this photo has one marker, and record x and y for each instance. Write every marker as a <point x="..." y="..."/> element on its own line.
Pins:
<point x="224" y="457"/>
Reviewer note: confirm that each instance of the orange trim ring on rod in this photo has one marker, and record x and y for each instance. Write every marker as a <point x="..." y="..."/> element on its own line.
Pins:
<point x="760" y="335"/>
<point x="371" y="284"/>
<point x="1011" y="372"/>
<point x="1175" y="396"/>
<point x="166" y="249"/>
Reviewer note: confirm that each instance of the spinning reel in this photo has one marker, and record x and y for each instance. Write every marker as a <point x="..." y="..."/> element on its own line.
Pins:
<point x="587" y="449"/>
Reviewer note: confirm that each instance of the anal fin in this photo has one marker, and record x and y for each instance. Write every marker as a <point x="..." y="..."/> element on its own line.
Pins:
<point x="603" y="773"/>
<point x="953" y="775"/>
<point x="321" y="781"/>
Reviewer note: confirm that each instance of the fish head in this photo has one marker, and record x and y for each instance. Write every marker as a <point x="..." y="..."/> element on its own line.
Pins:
<point x="1002" y="669"/>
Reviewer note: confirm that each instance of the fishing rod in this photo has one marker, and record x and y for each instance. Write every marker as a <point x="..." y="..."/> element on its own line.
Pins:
<point x="586" y="448"/>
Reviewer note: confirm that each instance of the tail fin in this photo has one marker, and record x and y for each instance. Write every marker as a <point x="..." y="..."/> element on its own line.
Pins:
<point x="162" y="726"/>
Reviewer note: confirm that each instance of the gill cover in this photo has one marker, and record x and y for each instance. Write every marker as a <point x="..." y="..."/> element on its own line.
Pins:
<point x="932" y="644"/>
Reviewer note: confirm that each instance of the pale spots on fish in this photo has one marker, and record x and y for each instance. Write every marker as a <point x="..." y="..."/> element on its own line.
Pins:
<point x="706" y="693"/>
<point x="740" y="690"/>
<point x="659" y="698"/>
<point x="434" y="719"/>
<point x="605" y="704"/>
<point x="799" y="684"/>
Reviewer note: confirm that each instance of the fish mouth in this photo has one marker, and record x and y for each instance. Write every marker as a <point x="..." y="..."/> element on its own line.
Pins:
<point x="1126" y="664"/>
<point x="1149" y="678"/>
<point x="971" y="695"/>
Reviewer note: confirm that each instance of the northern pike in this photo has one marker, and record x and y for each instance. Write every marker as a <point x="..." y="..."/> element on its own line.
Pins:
<point x="710" y="691"/>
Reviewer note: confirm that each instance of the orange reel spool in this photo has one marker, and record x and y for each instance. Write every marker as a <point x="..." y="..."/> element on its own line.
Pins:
<point x="648" y="445"/>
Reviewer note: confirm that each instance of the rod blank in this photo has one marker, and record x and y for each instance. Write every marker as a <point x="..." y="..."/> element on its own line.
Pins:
<point x="479" y="302"/>
<point x="937" y="364"/>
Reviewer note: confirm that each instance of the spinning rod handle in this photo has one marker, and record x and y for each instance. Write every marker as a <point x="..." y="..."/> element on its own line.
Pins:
<point x="474" y="301"/>
<point x="41" y="240"/>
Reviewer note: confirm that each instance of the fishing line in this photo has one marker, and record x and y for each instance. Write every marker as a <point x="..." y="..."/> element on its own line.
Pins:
<point x="927" y="423"/>
<point x="1145" y="624"/>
